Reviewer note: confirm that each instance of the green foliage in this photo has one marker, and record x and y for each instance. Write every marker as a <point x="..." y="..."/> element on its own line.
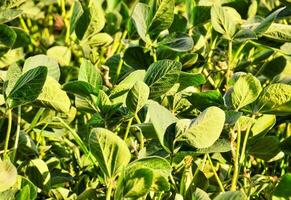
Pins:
<point x="145" y="99"/>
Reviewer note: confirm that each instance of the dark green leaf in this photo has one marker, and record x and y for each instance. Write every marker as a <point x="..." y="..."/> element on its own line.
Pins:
<point x="161" y="76"/>
<point x="28" y="86"/>
<point x="110" y="151"/>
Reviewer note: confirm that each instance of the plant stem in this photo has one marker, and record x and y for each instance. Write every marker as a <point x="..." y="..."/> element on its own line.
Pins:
<point x="243" y="151"/>
<point x="141" y="135"/>
<point x="17" y="133"/>
<point x="8" y="132"/>
<point x="109" y="190"/>
<point x="229" y="66"/>
<point x="215" y="174"/>
<point x="127" y="128"/>
<point x="236" y="161"/>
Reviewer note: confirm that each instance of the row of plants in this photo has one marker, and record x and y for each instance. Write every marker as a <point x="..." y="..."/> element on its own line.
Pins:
<point x="149" y="99"/>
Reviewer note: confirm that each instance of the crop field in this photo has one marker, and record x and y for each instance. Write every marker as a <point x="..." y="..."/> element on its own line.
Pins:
<point x="145" y="99"/>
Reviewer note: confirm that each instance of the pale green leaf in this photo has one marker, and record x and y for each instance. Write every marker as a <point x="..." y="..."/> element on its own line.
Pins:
<point x="43" y="60"/>
<point x="160" y="123"/>
<point x="52" y="96"/>
<point x="245" y="91"/>
<point x="205" y="129"/>
<point x="8" y="174"/>
<point x="110" y="151"/>
<point x="137" y="96"/>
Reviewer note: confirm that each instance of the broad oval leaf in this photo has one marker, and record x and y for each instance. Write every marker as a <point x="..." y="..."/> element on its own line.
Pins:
<point x="163" y="17"/>
<point x="245" y="91"/>
<point x="275" y="99"/>
<point x="7" y="36"/>
<point x="81" y="88"/>
<point x="205" y="129"/>
<point x="263" y="124"/>
<point x="279" y="32"/>
<point x="99" y="39"/>
<point x="138" y="183"/>
<point x="265" y="148"/>
<point x="90" y="22"/>
<point x="61" y="54"/>
<point x="90" y="74"/>
<point x="202" y="100"/>
<point x="137" y="96"/>
<point x="178" y="42"/>
<point x="43" y="60"/>
<point x="160" y="167"/>
<point x="52" y="96"/>
<point x="224" y="20"/>
<point x="161" y="123"/>
<point x="140" y="19"/>
<point x="28" y="87"/>
<point x="110" y="151"/>
<point x="8" y="174"/>
<point x="7" y="15"/>
<point x="283" y="190"/>
<point x="161" y="76"/>
<point x="39" y="173"/>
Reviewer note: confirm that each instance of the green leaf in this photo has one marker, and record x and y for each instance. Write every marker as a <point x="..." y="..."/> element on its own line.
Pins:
<point x="99" y="39"/>
<point x="220" y="146"/>
<point x="274" y="67"/>
<point x="43" y="60"/>
<point x="138" y="183"/>
<point x="110" y="151"/>
<point x="161" y="170"/>
<point x="39" y="173"/>
<point x="265" y="147"/>
<point x="279" y="32"/>
<point x="90" y="74"/>
<point x="237" y="195"/>
<point x="224" y="20"/>
<point x="76" y="14"/>
<point x="266" y="23"/>
<point x="140" y="18"/>
<point x="161" y="76"/>
<point x="275" y="99"/>
<point x="7" y="36"/>
<point x="160" y="123"/>
<point x="8" y="174"/>
<point x="200" y="194"/>
<point x="245" y="91"/>
<point x="118" y="94"/>
<point x="163" y="17"/>
<point x="27" y="189"/>
<point x="22" y="38"/>
<point x="60" y="53"/>
<point x="283" y="190"/>
<point x="52" y="96"/>
<point x="12" y="76"/>
<point x="28" y="86"/>
<point x="190" y="80"/>
<point x="81" y="88"/>
<point x="177" y="42"/>
<point x="90" y="22"/>
<point x="137" y="96"/>
<point x="202" y="100"/>
<point x="7" y="15"/>
<point x="263" y="124"/>
<point x="137" y="57"/>
<point x="205" y="129"/>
